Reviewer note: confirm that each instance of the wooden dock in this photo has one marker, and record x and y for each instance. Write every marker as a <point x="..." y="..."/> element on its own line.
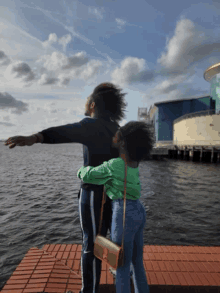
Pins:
<point x="57" y="268"/>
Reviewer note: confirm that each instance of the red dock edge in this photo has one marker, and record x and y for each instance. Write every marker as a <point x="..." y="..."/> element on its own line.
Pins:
<point x="57" y="268"/>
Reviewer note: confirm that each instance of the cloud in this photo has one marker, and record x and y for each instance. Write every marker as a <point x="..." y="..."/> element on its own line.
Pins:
<point x="4" y="60"/>
<point x="97" y="12"/>
<point x="7" y="124"/>
<point x="63" y="80"/>
<point x="175" y="66"/>
<point x="77" y="67"/>
<point x="90" y="70"/>
<point x="178" y="45"/>
<point x="86" y="72"/>
<point x="19" y="70"/>
<point x="64" y="41"/>
<point x="76" y="60"/>
<point x="179" y="87"/>
<point x="59" y="61"/>
<point x="168" y="85"/>
<point x="8" y="102"/>
<point x="129" y="68"/>
<point x="120" y="22"/>
<point x="52" y="39"/>
<point x="53" y="62"/>
<point x="184" y="50"/>
<point x="143" y="76"/>
<point x="47" y="80"/>
<point x="188" y="46"/>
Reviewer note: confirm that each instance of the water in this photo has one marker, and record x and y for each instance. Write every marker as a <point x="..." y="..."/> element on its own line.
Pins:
<point x="39" y="204"/>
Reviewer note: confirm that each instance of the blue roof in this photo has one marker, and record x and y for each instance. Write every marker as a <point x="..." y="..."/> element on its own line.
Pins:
<point x="173" y="101"/>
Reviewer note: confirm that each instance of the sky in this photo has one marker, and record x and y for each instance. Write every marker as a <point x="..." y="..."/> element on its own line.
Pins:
<point x="54" y="53"/>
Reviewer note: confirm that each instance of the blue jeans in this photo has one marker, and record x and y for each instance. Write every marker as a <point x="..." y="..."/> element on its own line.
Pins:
<point x="133" y="244"/>
<point x="89" y="212"/>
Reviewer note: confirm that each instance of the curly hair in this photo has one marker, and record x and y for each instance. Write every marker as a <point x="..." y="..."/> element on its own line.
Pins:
<point x="138" y="140"/>
<point x="109" y="101"/>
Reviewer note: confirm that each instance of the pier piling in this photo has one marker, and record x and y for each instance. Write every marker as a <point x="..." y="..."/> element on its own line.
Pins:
<point x="188" y="152"/>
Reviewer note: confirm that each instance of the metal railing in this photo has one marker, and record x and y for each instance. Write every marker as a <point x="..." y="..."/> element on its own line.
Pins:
<point x="195" y="114"/>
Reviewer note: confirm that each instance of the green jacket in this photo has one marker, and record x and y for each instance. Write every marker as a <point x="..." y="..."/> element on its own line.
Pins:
<point x="111" y="174"/>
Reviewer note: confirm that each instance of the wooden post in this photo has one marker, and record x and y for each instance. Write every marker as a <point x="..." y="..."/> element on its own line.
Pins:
<point x="201" y="154"/>
<point x="184" y="157"/>
<point x="193" y="153"/>
<point x="218" y="157"/>
<point x="212" y="155"/>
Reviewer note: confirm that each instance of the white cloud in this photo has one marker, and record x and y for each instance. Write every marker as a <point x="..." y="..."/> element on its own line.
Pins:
<point x="51" y="40"/>
<point x="64" y="41"/>
<point x="178" y="45"/>
<point x="172" y="88"/>
<point x="130" y="66"/>
<point x="90" y="70"/>
<point x="63" y="80"/>
<point x="97" y="12"/>
<point x="7" y="124"/>
<point x="59" y="61"/>
<point x="186" y="47"/>
<point x="120" y="22"/>
<point x="7" y="102"/>
<point x="53" y="62"/>
<point x="6" y="118"/>
<point x="168" y="85"/>
<point x="71" y="111"/>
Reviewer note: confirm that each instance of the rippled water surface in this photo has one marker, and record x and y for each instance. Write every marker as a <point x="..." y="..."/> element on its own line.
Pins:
<point x="39" y="204"/>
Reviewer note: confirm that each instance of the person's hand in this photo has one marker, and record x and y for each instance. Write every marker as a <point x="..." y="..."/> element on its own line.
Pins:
<point x="20" y="141"/>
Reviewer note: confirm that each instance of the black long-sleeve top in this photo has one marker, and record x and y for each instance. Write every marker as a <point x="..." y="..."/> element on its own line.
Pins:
<point x="96" y="136"/>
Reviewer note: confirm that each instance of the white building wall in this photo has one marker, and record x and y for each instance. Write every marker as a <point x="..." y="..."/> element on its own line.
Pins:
<point x="215" y="91"/>
<point x="203" y="130"/>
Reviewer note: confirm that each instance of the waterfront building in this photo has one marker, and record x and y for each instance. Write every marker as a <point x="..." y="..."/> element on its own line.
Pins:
<point x="166" y="116"/>
<point x="194" y="121"/>
<point x="212" y="75"/>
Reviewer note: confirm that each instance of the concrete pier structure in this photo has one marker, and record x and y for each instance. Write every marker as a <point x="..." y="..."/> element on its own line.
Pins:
<point x="209" y="154"/>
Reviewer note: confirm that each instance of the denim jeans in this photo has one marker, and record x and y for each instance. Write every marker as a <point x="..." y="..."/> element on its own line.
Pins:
<point x="133" y="244"/>
<point x="89" y="212"/>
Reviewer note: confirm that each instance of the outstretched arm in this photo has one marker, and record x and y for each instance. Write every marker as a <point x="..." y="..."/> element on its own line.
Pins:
<point x="24" y="140"/>
<point x="79" y="132"/>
